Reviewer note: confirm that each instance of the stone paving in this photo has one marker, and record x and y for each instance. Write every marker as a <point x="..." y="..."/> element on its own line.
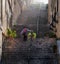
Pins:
<point x="39" y="51"/>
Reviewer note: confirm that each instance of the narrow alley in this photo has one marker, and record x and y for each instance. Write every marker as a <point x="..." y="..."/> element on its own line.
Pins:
<point x="29" y="31"/>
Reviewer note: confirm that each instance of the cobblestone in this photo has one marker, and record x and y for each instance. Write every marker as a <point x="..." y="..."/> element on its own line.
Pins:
<point x="32" y="52"/>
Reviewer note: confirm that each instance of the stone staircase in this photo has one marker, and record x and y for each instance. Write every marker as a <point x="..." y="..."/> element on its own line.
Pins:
<point x="42" y="29"/>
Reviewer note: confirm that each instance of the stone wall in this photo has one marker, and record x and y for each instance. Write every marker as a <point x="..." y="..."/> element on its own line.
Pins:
<point x="54" y="4"/>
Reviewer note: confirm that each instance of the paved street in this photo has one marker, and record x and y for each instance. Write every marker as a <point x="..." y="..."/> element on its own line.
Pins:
<point x="39" y="51"/>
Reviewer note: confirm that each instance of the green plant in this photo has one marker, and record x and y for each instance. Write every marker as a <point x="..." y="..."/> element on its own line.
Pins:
<point x="52" y="34"/>
<point x="11" y="33"/>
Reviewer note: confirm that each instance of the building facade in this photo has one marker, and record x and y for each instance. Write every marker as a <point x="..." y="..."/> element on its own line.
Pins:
<point x="6" y="11"/>
<point x="19" y="7"/>
<point x="54" y="16"/>
<point x="0" y="31"/>
<point x="9" y="12"/>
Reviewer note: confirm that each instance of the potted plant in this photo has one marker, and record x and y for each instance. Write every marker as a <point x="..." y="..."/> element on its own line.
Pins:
<point x="52" y="35"/>
<point x="11" y="33"/>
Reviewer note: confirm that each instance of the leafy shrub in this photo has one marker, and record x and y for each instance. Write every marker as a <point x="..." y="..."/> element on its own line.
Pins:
<point x="11" y="33"/>
<point x="52" y="34"/>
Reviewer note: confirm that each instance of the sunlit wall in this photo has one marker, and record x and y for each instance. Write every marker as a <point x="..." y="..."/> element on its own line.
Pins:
<point x="38" y="1"/>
